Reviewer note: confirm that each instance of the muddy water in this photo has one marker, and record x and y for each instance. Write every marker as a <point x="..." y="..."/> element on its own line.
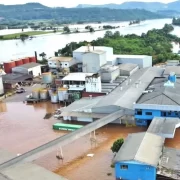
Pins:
<point x="23" y="128"/>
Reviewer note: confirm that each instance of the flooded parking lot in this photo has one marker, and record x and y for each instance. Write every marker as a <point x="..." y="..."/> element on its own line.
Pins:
<point x="23" y="127"/>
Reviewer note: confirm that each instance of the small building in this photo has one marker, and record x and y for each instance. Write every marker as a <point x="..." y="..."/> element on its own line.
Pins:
<point x="142" y="61"/>
<point x="172" y="63"/>
<point x="160" y="99"/>
<point x="33" y="69"/>
<point x="60" y="62"/>
<point x="93" y="61"/>
<point x="93" y="83"/>
<point x="138" y="157"/>
<point x="109" y="73"/>
<point x="75" y="81"/>
<point x="128" y="69"/>
<point x="78" y="53"/>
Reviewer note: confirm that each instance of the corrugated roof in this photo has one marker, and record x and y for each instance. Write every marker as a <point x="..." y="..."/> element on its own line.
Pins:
<point x="161" y="95"/>
<point x="164" y="126"/>
<point x="130" y="56"/>
<point x="16" y="77"/>
<point x="61" y="59"/>
<point x="127" y="66"/>
<point x="130" y="94"/>
<point x="108" y="68"/>
<point x="142" y="147"/>
<point x="28" y="65"/>
<point x="85" y="48"/>
<point x="95" y="52"/>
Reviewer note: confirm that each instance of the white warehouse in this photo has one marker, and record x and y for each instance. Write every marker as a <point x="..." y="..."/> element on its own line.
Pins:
<point x="93" y="61"/>
<point x="78" y="53"/>
<point x="30" y="68"/>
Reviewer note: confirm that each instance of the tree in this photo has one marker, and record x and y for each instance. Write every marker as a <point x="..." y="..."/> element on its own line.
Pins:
<point x="116" y="34"/>
<point x="66" y="29"/>
<point x="108" y="34"/>
<point x="91" y="29"/>
<point x="43" y="55"/>
<point x="87" y="27"/>
<point x="117" y="145"/>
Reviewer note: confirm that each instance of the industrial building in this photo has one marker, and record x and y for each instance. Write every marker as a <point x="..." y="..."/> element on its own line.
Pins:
<point x="29" y="68"/>
<point x="160" y="99"/>
<point x="61" y="62"/>
<point x="78" y="53"/>
<point x="139" y="156"/>
<point x="93" y="61"/>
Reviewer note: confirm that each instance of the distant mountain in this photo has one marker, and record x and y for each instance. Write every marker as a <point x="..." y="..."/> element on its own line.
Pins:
<point x="36" y="11"/>
<point x="150" y="6"/>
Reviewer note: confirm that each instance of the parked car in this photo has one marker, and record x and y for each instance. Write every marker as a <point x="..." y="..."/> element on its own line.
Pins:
<point x="20" y="90"/>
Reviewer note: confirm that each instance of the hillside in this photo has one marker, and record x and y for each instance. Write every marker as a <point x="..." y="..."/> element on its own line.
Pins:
<point x="35" y="11"/>
<point x="150" y="6"/>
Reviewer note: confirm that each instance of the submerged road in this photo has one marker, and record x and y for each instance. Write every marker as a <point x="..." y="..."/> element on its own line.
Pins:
<point x="63" y="140"/>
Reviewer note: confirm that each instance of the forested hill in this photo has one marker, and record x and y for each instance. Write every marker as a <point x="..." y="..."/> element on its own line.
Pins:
<point x="34" y="11"/>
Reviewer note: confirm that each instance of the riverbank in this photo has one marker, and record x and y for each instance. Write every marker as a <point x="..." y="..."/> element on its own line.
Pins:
<point x="30" y="33"/>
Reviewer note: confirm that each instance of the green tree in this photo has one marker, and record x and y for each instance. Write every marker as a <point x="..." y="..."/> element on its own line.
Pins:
<point x="108" y="34"/>
<point x="66" y="29"/>
<point x="91" y="29"/>
<point x="43" y="55"/>
<point x="117" y="145"/>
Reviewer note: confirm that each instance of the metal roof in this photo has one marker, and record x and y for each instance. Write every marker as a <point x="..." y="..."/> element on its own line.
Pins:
<point x="83" y="105"/>
<point x="108" y="68"/>
<point x="76" y="76"/>
<point x="164" y="127"/>
<point x="169" y="164"/>
<point x="16" y="77"/>
<point x="127" y="66"/>
<point x="129" y="93"/>
<point x="61" y="59"/>
<point x="95" y="52"/>
<point x="130" y="56"/>
<point x="142" y="147"/>
<point x="28" y="65"/>
<point x="161" y="95"/>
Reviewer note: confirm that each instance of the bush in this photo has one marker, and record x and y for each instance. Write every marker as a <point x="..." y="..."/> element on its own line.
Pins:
<point x="117" y="145"/>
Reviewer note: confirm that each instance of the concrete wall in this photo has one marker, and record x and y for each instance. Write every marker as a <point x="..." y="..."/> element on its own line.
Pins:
<point x="134" y="171"/>
<point x="142" y="120"/>
<point x="93" y="84"/>
<point x="1" y="86"/>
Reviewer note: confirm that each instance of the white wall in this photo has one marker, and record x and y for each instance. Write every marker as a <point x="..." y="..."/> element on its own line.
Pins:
<point x="108" y="76"/>
<point x="92" y="62"/>
<point x="143" y="62"/>
<point x="78" y="56"/>
<point x="1" y="86"/>
<point x="36" y="71"/>
<point x="53" y="63"/>
<point x="93" y="84"/>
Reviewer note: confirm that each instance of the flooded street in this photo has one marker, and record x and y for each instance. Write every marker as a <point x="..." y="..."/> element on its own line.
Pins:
<point x="23" y="127"/>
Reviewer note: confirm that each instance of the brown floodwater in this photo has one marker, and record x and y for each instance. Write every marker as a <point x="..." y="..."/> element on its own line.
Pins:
<point x="23" y="128"/>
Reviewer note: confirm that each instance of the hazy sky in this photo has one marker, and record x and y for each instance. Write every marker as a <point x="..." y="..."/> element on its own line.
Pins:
<point x="72" y="3"/>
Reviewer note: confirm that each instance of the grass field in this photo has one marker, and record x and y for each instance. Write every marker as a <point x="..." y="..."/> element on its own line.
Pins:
<point x="30" y="33"/>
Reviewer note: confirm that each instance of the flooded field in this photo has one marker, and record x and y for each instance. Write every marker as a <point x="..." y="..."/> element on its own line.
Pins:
<point x="23" y="127"/>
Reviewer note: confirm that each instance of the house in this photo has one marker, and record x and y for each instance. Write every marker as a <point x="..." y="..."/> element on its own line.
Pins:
<point x="138" y="157"/>
<point x="60" y="62"/>
<point x="160" y="99"/>
<point x="33" y="69"/>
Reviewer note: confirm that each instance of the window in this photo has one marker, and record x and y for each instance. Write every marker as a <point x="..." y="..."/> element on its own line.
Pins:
<point x="124" y="167"/>
<point x="139" y="112"/>
<point x="169" y="113"/>
<point x="54" y="63"/>
<point x="50" y="63"/>
<point x="65" y="64"/>
<point x="149" y="113"/>
<point x="176" y="113"/>
<point x="61" y="64"/>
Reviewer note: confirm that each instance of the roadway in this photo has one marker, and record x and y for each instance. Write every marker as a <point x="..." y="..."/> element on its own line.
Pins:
<point x="63" y="140"/>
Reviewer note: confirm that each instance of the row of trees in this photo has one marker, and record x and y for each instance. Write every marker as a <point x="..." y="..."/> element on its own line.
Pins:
<point x="156" y="43"/>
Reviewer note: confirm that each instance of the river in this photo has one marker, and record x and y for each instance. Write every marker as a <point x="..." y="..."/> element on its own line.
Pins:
<point x="49" y="43"/>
